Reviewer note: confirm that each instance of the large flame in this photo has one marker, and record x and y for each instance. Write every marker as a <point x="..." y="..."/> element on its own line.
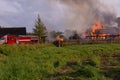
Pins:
<point x="97" y="26"/>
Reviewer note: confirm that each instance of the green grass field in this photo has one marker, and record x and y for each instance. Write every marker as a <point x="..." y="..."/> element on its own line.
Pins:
<point x="47" y="62"/>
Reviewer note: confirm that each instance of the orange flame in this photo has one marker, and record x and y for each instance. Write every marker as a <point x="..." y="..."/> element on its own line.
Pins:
<point x="58" y="38"/>
<point x="97" y="26"/>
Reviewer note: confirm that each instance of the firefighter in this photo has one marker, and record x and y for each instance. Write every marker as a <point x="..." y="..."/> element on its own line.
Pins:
<point x="59" y="41"/>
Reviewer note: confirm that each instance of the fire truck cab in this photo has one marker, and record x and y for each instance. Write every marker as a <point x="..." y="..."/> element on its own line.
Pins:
<point x="11" y="39"/>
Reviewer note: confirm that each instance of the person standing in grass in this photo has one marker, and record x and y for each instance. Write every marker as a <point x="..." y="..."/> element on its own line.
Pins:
<point x="59" y="40"/>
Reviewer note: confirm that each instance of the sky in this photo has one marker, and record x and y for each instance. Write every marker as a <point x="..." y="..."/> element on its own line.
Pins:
<point x="23" y="13"/>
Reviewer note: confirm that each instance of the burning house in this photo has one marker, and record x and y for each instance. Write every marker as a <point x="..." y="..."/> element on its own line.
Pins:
<point x="100" y="32"/>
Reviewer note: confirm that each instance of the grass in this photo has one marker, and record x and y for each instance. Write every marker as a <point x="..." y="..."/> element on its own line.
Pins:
<point x="47" y="62"/>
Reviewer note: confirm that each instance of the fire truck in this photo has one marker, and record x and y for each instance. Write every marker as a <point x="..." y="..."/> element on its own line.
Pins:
<point x="22" y="39"/>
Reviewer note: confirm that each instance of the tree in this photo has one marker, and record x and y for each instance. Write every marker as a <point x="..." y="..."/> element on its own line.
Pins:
<point x="40" y="30"/>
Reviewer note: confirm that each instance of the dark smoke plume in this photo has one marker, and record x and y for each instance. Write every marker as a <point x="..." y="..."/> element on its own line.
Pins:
<point x="82" y="14"/>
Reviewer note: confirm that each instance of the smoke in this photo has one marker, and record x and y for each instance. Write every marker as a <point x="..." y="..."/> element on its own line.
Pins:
<point x="118" y="21"/>
<point x="80" y="14"/>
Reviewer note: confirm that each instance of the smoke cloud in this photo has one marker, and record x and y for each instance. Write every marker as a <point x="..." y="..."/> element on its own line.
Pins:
<point x="57" y="14"/>
<point x="80" y="14"/>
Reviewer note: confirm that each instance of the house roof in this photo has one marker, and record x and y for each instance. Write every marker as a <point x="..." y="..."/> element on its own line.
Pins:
<point x="13" y="31"/>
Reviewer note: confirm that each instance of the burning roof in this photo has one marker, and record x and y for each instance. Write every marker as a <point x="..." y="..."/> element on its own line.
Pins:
<point x="96" y="26"/>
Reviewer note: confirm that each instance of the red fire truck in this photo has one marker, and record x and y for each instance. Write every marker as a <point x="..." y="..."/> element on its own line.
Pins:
<point x="12" y="39"/>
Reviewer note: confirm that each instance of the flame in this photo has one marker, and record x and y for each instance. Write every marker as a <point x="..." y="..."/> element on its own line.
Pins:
<point x="58" y="38"/>
<point x="97" y="26"/>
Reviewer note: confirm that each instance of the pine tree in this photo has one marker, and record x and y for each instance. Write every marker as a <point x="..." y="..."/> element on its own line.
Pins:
<point x="40" y="30"/>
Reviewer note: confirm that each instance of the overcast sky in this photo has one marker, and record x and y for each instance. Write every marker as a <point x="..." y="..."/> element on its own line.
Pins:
<point x="22" y="13"/>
